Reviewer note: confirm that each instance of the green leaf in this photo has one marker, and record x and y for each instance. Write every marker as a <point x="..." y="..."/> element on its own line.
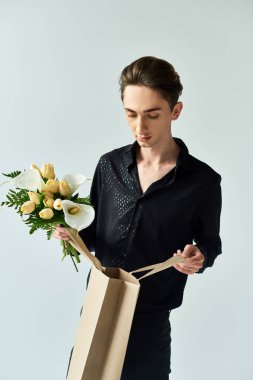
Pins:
<point x="16" y="198"/>
<point x="86" y="201"/>
<point x="12" y="174"/>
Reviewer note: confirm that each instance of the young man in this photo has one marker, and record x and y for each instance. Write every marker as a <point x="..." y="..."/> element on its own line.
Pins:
<point x="153" y="199"/>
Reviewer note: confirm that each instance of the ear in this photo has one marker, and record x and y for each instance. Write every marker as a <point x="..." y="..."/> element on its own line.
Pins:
<point x="177" y="110"/>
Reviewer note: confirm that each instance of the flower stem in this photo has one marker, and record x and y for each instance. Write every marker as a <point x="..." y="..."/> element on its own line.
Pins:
<point x="71" y="251"/>
<point x="73" y="262"/>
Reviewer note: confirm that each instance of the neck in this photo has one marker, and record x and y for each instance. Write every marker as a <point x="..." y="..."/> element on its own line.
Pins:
<point x="164" y="153"/>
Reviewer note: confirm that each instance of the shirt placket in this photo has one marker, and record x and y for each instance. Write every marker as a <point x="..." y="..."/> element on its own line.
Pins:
<point x="135" y="218"/>
<point x="121" y="257"/>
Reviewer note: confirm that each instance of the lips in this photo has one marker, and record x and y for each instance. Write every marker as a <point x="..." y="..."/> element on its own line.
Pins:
<point x="143" y="138"/>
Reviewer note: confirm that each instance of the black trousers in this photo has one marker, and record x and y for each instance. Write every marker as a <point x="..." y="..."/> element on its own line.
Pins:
<point x="148" y="352"/>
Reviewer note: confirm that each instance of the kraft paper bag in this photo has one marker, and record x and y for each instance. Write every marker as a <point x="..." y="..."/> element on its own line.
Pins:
<point x="105" y="323"/>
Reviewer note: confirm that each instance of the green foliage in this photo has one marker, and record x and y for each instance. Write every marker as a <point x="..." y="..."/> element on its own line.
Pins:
<point x="50" y="231"/>
<point x="85" y="201"/>
<point x="12" y="174"/>
<point x="35" y="222"/>
<point x="16" y="198"/>
<point x="42" y="196"/>
<point x="75" y="198"/>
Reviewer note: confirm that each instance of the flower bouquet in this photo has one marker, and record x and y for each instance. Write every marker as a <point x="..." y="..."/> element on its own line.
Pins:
<point x="43" y="202"/>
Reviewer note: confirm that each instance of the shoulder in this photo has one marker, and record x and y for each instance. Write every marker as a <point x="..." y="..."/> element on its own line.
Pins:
<point x="198" y="169"/>
<point x="203" y="168"/>
<point x="206" y="178"/>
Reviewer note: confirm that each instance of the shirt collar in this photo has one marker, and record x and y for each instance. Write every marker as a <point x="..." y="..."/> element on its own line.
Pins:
<point x="183" y="160"/>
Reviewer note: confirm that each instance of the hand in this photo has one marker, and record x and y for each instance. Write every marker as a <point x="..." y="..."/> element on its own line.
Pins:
<point x="60" y="233"/>
<point x="194" y="259"/>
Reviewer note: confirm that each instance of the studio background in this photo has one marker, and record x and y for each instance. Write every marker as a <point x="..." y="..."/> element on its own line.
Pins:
<point x="60" y="62"/>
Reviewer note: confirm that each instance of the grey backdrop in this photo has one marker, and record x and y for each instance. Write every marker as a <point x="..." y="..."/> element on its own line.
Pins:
<point x="59" y="96"/>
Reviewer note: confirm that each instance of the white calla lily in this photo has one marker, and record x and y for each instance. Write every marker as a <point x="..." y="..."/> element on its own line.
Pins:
<point x="28" y="180"/>
<point x="75" y="180"/>
<point x="76" y="215"/>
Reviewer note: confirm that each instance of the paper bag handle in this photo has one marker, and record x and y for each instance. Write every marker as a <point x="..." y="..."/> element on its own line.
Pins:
<point x="78" y="243"/>
<point x="160" y="266"/>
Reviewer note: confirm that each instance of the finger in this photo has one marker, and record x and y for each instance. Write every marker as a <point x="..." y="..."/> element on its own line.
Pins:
<point x="183" y="270"/>
<point x="188" y="267"/>
<point x="60" y="228"/>
<point x="190" y="263"/>
<point x="57" y="236"/>
<point x="187" y="271"/>
<point x="194" y="262"/>
<point x="179" y="252"/>
<point x="196" y="255"/>
<point x="185" y="262"/>
<point x="62" y="233"/>
<point x="61" y="236"/>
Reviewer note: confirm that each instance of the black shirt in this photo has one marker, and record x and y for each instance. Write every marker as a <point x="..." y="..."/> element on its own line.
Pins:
<point x="133" y="229"/>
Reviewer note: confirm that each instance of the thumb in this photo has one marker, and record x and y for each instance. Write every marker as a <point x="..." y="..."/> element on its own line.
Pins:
<point x="187" y="250"/>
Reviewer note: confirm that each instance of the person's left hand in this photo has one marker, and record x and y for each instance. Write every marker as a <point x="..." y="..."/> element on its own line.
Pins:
<point x="194" y="259"/>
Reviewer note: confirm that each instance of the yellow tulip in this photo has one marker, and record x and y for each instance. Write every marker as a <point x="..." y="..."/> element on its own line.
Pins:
<point x="34" y="197"/>
<point x="64" y="188"/>
<point x="33" y="166"/>
<point x="48" y="194"/>
<point x="46" y="213"/>
<point x="48" y="171"/>
<point x="48" y="202"/>
<point x="52" y="186"/>
<point x="58" y="204"/>
<point x="27" y="207"/>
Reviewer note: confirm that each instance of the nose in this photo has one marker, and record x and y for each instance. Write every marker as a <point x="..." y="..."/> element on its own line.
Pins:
<point x="140" y="125"/>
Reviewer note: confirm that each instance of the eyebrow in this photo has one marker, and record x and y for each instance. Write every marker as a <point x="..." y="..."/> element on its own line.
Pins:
<point x="149" y="110"/>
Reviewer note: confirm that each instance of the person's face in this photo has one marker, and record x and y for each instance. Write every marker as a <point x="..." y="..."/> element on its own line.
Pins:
<point x="148" y="114"/>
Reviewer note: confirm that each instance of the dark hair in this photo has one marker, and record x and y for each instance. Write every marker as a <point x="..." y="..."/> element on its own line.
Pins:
<point x="154" y="73"/>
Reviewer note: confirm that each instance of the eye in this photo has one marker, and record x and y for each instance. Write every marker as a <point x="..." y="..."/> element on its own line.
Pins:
<point x="131" y="115"/>
<point x="153" y="116"/>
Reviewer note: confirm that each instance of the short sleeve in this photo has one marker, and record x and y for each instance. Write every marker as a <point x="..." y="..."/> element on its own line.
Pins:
<point x="207" y="224"/>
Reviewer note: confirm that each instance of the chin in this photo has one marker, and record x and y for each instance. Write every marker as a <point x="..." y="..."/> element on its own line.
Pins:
<point x="144" y="144"/>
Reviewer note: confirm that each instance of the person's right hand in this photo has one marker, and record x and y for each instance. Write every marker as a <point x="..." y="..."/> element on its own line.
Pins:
<point x="60" y="233"/>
